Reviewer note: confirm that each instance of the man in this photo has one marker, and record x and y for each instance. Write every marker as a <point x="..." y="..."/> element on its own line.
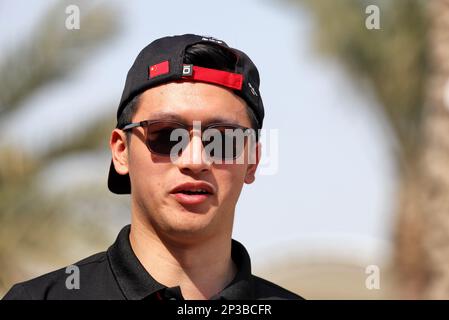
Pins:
<point x="184" y="95"/>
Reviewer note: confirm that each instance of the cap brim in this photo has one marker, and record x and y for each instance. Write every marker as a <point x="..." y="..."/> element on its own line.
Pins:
<point x="118" y="183"/>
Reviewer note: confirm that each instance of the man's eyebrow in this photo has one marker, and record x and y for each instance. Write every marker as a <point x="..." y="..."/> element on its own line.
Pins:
<point x="163" y="115"/>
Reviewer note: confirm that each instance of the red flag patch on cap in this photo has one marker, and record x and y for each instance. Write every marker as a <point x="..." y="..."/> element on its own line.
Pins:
<point x="158" y="69"/>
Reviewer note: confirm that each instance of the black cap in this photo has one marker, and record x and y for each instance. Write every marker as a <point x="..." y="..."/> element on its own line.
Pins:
<point x="162" y="61"/>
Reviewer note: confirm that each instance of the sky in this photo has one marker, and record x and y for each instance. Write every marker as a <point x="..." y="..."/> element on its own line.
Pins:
<point x="334" y="187"/>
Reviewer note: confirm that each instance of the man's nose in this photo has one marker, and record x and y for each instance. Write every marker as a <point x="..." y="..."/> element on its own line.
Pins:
<point x="193" y="159"/>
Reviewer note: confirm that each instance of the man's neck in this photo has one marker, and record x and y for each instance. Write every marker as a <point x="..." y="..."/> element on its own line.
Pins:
<point x="201" y="270"/>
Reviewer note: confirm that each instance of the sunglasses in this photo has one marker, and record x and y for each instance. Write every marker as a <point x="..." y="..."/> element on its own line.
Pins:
<point x="221" y="141"/>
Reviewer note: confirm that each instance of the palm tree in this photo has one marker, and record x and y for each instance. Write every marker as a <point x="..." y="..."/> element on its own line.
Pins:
<point x="34" y="224"/>
<point x="407" y="76"/>
<point x="433" y="198"/>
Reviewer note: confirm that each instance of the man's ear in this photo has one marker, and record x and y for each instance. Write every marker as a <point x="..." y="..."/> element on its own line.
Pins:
<point x="252" y="167"/>
<point x="119" y="150"/>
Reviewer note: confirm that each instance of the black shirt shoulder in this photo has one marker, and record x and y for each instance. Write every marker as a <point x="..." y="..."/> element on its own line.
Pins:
<point x="117" y="274"/>
<point x="94" y="274"/>
<point x="267" y="290"/>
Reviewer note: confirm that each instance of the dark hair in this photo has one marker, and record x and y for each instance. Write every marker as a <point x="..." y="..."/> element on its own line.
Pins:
<point x="204" y="55"/>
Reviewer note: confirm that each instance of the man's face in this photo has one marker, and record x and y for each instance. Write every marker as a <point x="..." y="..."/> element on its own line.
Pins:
<point x="153" y="177"/>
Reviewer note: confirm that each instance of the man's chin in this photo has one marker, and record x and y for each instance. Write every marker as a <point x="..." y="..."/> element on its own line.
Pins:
<point x="189" y="227"/>
<point x="184" y="226"/>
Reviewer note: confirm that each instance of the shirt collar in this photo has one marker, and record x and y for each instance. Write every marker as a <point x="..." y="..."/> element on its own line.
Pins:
<point x="136" y="283"/>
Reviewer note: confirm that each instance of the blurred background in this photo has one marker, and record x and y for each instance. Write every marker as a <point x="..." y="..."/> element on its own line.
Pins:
<point x="362" y="174"/>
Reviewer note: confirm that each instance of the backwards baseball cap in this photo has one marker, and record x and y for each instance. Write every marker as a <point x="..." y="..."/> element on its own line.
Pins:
<point x="162" y="61"/>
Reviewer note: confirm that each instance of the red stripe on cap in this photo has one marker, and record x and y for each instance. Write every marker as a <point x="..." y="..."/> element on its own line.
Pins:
<point x="224" y="78"/>
<point x="158" y="69"/>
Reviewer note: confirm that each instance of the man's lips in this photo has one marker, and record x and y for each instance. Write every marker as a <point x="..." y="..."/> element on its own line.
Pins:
<point x="193" y="192"/>
<point x="194" y="187"/>
<point x="191" y="199"/>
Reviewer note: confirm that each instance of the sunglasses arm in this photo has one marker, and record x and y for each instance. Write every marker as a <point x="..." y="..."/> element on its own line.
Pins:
<point x="134" y="125"/>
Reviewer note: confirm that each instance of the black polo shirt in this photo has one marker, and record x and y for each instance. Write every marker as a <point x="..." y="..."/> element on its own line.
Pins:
<point x="117" y="274"/>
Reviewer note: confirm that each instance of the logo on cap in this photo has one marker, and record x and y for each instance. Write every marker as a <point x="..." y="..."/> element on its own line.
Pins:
<point x="187" y="69"/>
<point x="208" y="38"/>
<point x="253" y="91"/>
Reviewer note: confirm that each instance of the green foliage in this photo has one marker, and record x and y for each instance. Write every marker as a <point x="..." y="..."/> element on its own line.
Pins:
<point x="392" y="59"/>
<point x="33" y="222"/>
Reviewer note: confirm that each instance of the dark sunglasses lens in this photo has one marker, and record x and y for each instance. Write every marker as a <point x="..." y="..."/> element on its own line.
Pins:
<point x="225" y="143"/>
<point x="162" y="137"/>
